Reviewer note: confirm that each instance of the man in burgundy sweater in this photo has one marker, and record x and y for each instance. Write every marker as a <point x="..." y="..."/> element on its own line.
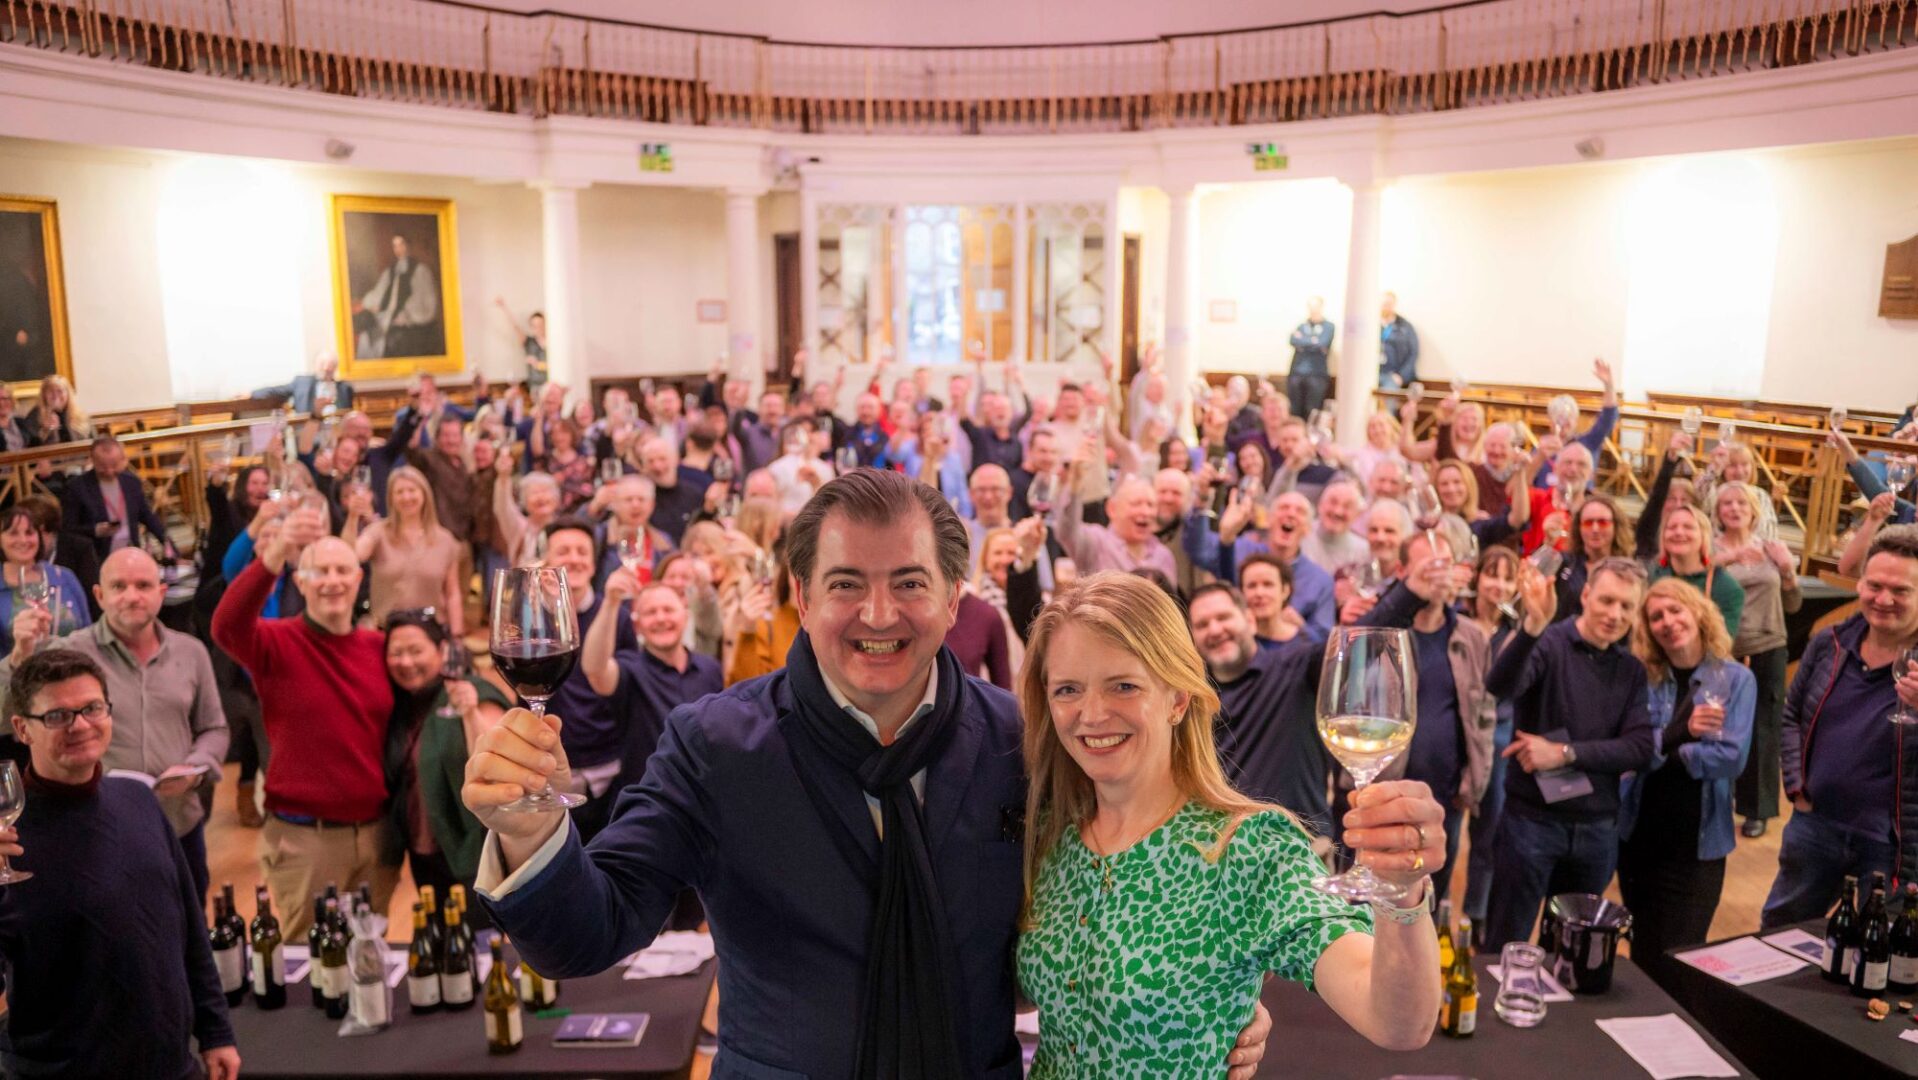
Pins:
<point x="325" y="699"/>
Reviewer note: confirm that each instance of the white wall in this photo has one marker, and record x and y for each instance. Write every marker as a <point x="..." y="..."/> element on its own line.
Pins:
<point x="1268" y="247"/>
<point x="649" y="255"/>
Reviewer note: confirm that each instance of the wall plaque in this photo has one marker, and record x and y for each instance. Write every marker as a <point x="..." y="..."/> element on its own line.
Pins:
<point x="1898" y="297"/>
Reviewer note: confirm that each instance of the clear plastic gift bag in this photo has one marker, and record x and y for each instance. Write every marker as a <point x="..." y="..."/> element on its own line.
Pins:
<point x="369" y="997"/>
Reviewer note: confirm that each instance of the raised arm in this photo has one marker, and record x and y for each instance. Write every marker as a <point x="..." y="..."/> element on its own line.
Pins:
<point x="596" y="652"/>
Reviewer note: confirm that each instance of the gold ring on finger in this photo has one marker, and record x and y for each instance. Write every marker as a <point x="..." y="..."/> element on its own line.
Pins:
<point x="1420" y="829"/>
<point x="1418" y="861"/>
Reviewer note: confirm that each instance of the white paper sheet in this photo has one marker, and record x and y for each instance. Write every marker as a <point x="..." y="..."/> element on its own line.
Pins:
<point x="1909" y="1035"/>
<point x="1742" y="961"/>
<point x="1666" y="1047"/>
<point x="1553" y="991"/>
<point x="1799" y="944"/>
<point x="676" y="952"/>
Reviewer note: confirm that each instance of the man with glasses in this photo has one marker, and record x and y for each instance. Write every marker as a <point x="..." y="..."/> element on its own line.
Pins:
<point x="109" y="968"/>
<point x="169" y="724"/>
<point x="324" y="699"/>
<point x="1579" y="699"/>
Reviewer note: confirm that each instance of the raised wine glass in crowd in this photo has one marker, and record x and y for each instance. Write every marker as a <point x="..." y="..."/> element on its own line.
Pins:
<point x="1467" y="556"/>
<point x="1370" y="579"/>
<point x="722" y="468"/>
<point x="610" y="470"/>
<point x="1907" y="664"/>
<point x="535" y="643"/>
<point x="13" y="800"/>
<point x="1709" y="690"/>
<point x="1368" y="692"/>
<point x="1693" y="420"/>
<point x="631" y="549"/>
<point x="1899" y="470"/>
<point x="1426" y="510"/>
<point x="846" y="458"/>
<point x="1547" y="560"/>
<point x="1727" y="432"/>
<point x="1459" y="385"/>
<point x="1415" y="392"/>
<point x="1043" y="493"/>
<point x="455" y="665"/>
<point x="1838" y="416"/>
<point x="363" y="476"/>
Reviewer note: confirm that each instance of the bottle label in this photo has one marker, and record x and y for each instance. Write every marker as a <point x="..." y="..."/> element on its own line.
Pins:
<point x="276" y="966"/>
<point x="338" y="981"/>
<point x="1468" y="1016"/>
<point x="232" y="968"/>
<point x="268" y="971"/>
<point x="1851" y="961"/>
<point x="1904" y="970"/>
<point x="368" y="1003"/>
<point x="456" y="989"/>
<point x="527" y="991"/>
<point x="1875" y="974"/>
<point x="507" y="1030"/>
<point x="423" y="990"/>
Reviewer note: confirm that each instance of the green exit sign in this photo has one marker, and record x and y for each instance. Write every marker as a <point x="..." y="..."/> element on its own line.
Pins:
<point x="1267" y="157"/>
<point x="655" y="157"/>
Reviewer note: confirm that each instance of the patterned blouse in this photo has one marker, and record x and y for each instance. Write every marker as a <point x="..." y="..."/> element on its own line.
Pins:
<point x="1148" y="963"/>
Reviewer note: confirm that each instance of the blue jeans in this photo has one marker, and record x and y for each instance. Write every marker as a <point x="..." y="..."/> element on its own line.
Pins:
<point x="1539" y="857"/>
<point x="1812" y="864"/>
<point x="1484" y="827"/>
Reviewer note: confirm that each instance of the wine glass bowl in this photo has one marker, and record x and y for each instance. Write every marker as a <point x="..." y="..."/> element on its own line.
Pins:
<point x="455" y="665"/>
<point x="1368" y="695"/>
<point x="631" y="549"/>
<point x="846" y="459"/>
<point x="535" y="643"/>
<point x="1693" y="420"/>
<point x="1907" y="664"/>
<point x="1043" y="493"/>
<point x="13" y="802"/>
<point x="1899" y="471"/>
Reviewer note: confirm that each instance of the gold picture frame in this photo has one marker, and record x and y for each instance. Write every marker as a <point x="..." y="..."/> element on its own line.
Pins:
<point x="386" y="326"/>
<point x="33" y="294"/>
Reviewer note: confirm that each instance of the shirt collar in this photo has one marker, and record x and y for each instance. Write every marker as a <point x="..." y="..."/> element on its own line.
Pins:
<point x="866" y="721"/>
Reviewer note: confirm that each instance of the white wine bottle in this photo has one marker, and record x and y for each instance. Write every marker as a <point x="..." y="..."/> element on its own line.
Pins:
<point x="505" y="1029"/>
<point x="456" y="965"/>
<point x="422" y="966"/>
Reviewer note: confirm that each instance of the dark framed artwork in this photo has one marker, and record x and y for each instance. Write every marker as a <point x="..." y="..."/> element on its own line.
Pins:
<point x="395" y="286"/>
<point x="33" y="299"/>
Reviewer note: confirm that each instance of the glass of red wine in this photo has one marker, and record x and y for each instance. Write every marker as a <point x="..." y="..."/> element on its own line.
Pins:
<point x="535" y="643"/>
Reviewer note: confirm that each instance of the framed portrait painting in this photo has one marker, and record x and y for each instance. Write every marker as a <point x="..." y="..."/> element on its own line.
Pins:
<point x="396" y="287"/>
<point x="33" y="298"/>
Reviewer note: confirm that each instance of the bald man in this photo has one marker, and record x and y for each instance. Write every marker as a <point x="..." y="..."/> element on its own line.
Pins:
<point x="167" y="721"/>
<point x="325" y="699"/>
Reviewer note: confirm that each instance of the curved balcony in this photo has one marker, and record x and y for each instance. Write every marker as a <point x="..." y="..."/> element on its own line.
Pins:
<point x="467" y="56"/>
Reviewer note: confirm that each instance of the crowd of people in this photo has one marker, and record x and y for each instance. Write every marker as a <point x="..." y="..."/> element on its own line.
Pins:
<point x="1596" y="696"/>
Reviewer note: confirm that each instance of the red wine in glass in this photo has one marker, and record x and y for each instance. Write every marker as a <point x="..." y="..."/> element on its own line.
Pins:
<point x="535" y="643"/>
<point x="535" y="668"/>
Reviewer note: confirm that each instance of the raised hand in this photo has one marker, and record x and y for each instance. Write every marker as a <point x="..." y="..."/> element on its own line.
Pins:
<point x="1540" y="599"/>
<point x="1393" y="826"/>
<point x="518" y="756"/>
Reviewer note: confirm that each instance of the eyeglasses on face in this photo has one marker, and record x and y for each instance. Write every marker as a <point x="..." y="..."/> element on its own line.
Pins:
<point x="94" y="711"/>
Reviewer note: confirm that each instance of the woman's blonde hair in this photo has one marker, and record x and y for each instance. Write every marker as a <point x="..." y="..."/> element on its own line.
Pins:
<point x="761" y="520"/>
<point x="1743" y="490"/>
<point x="1711" y="626"/>
<point x="76" y="417"/>
<point x="1476" y="451"/>
<point x="429" y="513"/>
<point x="985" y="545"/>
<point x="1471" y="508"/>
<point x="1706" y="531"/>
<point x="1137" y="616"/>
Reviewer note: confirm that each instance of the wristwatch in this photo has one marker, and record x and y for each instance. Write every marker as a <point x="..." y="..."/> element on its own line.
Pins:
<point x="1571" y="755"/>
<point x="1408" y="916"/>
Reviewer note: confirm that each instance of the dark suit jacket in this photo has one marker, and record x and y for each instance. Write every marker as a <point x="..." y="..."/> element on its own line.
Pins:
<point x="85" y="507"/>
<point x="722" y="809"/>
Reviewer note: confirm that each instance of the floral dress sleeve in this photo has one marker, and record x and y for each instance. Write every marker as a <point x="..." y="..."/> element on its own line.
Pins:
<point x="1285" y="924"/>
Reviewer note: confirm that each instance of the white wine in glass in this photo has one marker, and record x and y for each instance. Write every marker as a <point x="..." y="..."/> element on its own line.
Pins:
<point x="1368" y="704"/>
<point x="1907" y="664"/>
<point x="13" y="800"/>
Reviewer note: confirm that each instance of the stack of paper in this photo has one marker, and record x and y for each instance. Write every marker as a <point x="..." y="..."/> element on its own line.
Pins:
<point x="1666" y="1047"/>
<point x="1742" y="960"/>
<point x="676" y="952"/>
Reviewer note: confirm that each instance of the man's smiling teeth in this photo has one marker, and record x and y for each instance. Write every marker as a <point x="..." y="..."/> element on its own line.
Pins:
<point x="1103" y="742"/>
<point x="880" y="648"/>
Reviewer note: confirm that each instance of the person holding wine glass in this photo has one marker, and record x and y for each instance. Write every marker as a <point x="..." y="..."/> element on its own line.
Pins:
<point x="1684" y="552"/>
<point x="558" y="453"/>
<point x="522" y="508"/>
<point x="1675" y="816"/>
<point x="1135" y="839"/>
<point x="646" y="684"/>
<point x="1579" y="709"/>
<point x="325" y="701"/>
<point x="1854" y="797"/>
<point x="28" y="578"/>
<point x="414" y="559"/>
<point x="1455" y="483"/>
<point x="83" y="915"/>
<point x="764" y="624"/>
<point x="1769" y="575"/>
<point x="437" y="719"/>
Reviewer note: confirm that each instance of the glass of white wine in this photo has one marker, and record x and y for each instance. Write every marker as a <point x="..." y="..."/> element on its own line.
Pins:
<point x="1898" y="473"/>
<point x="1693" y="420"/>
<point x="1907" y="664"/>
<point x="13" y="800"/>
<point x="1368" y="698"/>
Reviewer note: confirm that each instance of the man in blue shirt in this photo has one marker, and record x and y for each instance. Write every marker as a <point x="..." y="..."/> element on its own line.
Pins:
<point x="870" y="769"/>
<point x="1398" y="347"/>
<point x="1579" y="699"/>
<point x="1311" y="374"/>
<point x="1221" y="552"/>
<point x="1851" y="774"/>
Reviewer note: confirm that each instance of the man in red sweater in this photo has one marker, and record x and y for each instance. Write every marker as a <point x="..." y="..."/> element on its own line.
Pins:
<point x="324" y="699"/>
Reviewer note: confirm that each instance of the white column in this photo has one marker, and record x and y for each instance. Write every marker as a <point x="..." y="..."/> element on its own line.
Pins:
<point x="808" y="278"/>
<point x="1182" y="299"/>
<point x="742" y="283"/>
<point x="1019" y="302"/>
<point x="565" y="314"/>
<point x="1359" y="336"/>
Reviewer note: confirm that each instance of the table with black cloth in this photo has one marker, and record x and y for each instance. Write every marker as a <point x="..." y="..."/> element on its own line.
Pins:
<point x="1799" y="1025"/>
<point x="1310" y="1040"/>
<point x="299" y="1041"/>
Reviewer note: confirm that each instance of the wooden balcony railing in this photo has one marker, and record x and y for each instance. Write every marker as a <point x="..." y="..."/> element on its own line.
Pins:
<point x="461" y="55"/>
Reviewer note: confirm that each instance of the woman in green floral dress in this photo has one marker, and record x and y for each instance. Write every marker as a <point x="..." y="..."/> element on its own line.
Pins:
<point x="1157" y="897"/>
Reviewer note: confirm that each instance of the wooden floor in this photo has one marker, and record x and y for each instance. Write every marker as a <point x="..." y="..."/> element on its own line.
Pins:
<point x="233" y="855"/>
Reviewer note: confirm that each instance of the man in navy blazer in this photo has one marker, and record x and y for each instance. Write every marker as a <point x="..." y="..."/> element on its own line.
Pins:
<point x="107" y="507"/>
<point x="751" y="801"/>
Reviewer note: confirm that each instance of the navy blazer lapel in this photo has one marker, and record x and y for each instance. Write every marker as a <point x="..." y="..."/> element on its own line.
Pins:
<point x="835" y="785"/>
<point x="951" y="774"/>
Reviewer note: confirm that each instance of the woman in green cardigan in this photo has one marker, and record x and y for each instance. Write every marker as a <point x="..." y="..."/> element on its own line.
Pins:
<point x="1685" y="552"/>
<point x="433" y="723"/>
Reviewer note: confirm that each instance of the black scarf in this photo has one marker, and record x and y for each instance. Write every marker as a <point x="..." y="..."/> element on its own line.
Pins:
<point x="906" y="1023"/>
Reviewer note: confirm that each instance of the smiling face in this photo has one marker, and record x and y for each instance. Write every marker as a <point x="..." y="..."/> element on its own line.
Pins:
<point x="1495" y="583"/>
<point x="1172" y="492"/>
<point x="657" y="458"/>
<point x="1574" y="467"/>
<point x="1264" y="590"/>
<point x="1450" y="483"/>
<point x="1338" y="507"/>
<point x="991" y="492"/>
<point x="1132" y="511"/>
<point x="633" y="503"/>
<point x="1498" y="448"/>
<point x="1291" y="520"/>
<point x="1611" y="603"/>
<point x="329" y="580"/>
<point x="1734" y="511"/>
<point x="1597" y="528"/>
<point x="867" y="409"/>
<point x="1378" y="432"/>
<point x="406" y="499"/>
<point x="1384" y="532"/>
<point x="412" y="659"/>
<point x="68" y="751"/>
<point x="1680" y="537"/>
<point x="21" y="541"/>
<point x="1113" y="716"/>
<point x="130" y="592"/>
<point x="571" y="550"/>
<point x="1223" y="632"/>
<point x="659" y="617"/>
<point x="1888" y="595"/>
<point x="876" y="607"/>
<point x="1672" y="624"/>
<point x="999" y="556"/>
